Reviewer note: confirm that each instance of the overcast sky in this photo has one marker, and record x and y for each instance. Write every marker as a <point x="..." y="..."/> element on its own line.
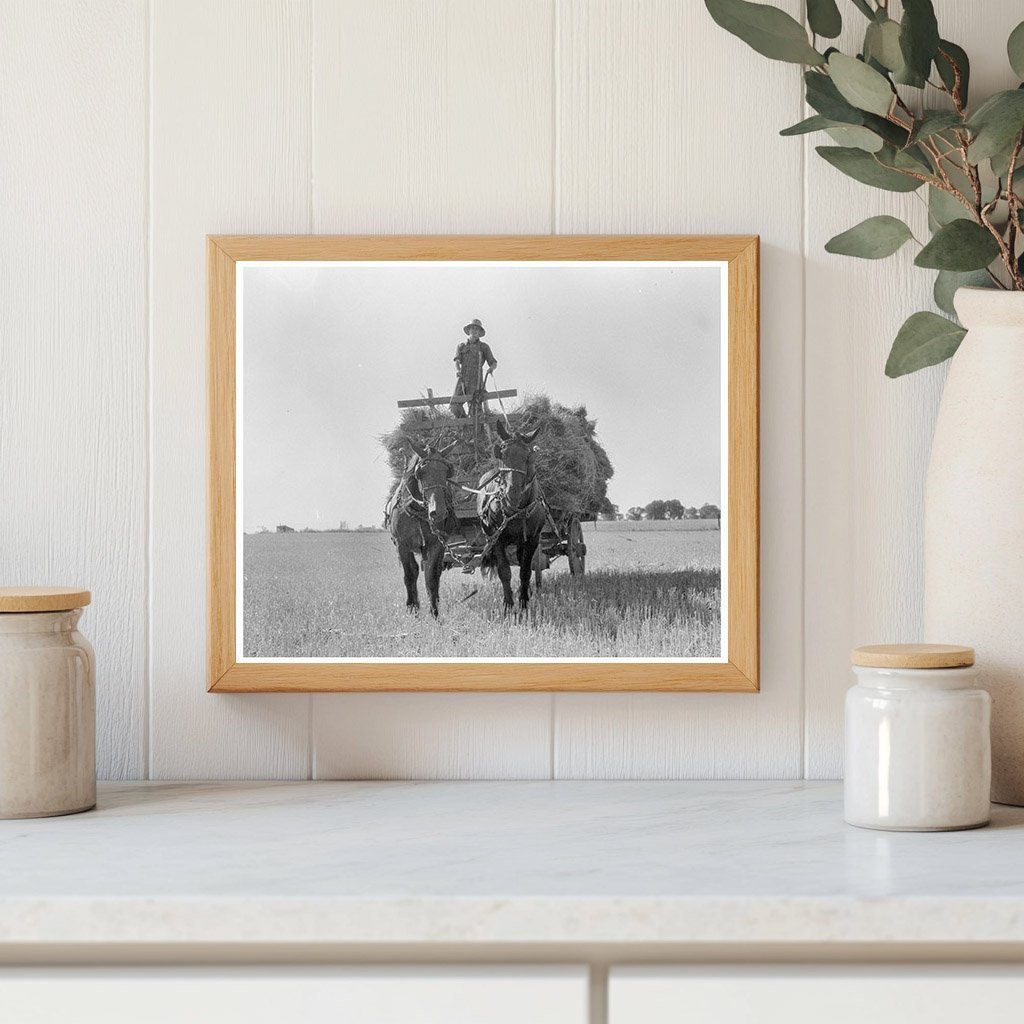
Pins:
<point x="328" y="350"/>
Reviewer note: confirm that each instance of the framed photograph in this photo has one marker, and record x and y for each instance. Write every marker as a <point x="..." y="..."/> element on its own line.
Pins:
<point x="483" y="463"/>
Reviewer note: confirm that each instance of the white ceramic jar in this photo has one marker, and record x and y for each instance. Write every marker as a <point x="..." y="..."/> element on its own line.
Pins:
<point x="47" y="704"/>
<point x="918" y="749"/>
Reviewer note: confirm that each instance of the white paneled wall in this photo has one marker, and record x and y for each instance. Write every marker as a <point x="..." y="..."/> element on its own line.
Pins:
<point x="130" y="130"/>
<point x="230" y="141"/>
<point x="73" y="331"/>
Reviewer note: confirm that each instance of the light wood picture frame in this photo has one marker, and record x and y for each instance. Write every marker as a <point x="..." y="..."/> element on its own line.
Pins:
<point x="737" y="669"/>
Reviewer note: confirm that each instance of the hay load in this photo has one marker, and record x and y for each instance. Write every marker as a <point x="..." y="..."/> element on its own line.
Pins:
<point x="572" y="466"/>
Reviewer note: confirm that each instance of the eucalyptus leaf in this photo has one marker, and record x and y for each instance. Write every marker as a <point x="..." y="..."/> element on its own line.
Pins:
<point x="919" y="36"/>
<point x="1015" y="50"/>
<point x="817" y="123"/>
<point x="825" y="98"/>
<point x="996" y="125"/>
<point x="960" y="245"/>
<point x="769" y="31"/>
<point x="1001" y="161"/>
<point x="943" y="208"/>
<point x="892" y="133"/>
<point x="864" y="167"/>
<point x="934" y="122"/>
<point x="947" y="282"/>
<point x="824" y="18"/>
<point x="912" y="159"/>
<point x="860" y="85"/>
<point x="872" y="239"/>
<point x="864" y="7"/>
<point x="857" y="137"/>
<point x="907" y="76"/>
<point x="926" y="339"/>
<point x="882" y="44"/>
<point x="951" y="55"/>
<point x="854" y="135"/>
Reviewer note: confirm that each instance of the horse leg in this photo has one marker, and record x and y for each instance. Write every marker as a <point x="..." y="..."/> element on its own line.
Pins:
<point x="433" y="565"/>
<point x="411" y="571"/>
<point x="504" y="571"/>
<point x="527" y="550"/>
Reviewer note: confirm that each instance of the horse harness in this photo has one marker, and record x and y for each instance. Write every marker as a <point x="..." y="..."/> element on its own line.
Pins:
<point x="417" y="508"/>
<point x="499" y="498"/>
<point x="405" y="500"/>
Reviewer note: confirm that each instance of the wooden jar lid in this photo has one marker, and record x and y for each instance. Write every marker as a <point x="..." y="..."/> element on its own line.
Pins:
<point x="42" y="599"/>
<point x="913" y="656"/>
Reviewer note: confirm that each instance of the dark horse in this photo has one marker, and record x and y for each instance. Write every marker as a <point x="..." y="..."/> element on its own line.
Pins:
<point x="420" y="515"/>
<point x="512" y="511"/>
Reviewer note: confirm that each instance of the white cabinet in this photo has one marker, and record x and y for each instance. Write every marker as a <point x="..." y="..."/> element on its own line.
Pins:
<point x="812" y="995"/>
<point x="227" y="995"/>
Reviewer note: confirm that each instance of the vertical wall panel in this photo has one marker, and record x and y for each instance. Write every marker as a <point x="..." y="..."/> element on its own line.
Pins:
<point x="868" y="437"/>
<point x="432" y="116"/>
<point x="667" y="124"/>
<point x="73" y="332"/>
<point x="230" y="149"/>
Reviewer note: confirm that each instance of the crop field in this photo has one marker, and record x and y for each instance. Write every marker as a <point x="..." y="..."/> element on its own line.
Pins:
<point x="651" y="590"/>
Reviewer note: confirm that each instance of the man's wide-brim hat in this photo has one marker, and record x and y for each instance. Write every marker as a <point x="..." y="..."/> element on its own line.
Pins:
<point x="475" y="323"/>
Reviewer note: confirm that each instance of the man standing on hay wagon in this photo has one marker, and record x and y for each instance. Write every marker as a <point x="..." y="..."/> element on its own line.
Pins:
<point x="470" y="358"/>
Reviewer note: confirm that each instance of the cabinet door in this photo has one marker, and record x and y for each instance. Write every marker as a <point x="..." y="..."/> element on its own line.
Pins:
<point x="815" y="995"/>
<point x="229" y="995"/>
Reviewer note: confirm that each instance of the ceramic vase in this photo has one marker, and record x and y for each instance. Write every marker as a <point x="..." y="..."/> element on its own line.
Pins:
<point x="974" y="517"/>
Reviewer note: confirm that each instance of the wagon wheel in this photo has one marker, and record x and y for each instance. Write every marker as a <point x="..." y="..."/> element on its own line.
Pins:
<point x="576" y="548"/>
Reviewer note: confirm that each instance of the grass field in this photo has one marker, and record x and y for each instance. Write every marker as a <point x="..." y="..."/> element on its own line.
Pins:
<point x="651" y="590"/>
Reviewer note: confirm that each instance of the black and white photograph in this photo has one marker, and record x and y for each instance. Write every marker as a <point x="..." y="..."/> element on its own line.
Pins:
<point x="481" y="460"/>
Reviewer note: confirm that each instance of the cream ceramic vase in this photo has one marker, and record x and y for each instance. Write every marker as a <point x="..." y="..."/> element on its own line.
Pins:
<point x="47" y="706"/>
<point x="974" y="517"/>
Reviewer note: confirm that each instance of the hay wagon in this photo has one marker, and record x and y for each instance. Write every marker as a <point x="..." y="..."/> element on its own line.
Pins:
<point x="563" y="531"/>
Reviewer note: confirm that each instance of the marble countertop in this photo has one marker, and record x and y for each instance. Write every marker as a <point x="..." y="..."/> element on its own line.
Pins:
<point x="500" y="862"/>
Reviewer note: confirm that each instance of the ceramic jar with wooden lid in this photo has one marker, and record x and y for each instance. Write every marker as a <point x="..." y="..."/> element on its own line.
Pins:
<point x="918" y="750"/>
<point x="47" y="704"/>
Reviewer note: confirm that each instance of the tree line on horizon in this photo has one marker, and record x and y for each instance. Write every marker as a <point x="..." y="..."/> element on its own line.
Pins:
<point x="659" y="509"/>
<point x="670" y="509"/>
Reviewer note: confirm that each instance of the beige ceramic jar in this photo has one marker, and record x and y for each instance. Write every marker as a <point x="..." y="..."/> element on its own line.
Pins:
<point x="47" y="704"/>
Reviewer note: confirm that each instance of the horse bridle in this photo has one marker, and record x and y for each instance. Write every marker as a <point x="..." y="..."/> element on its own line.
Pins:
<point x="508" y="513"/>
<point x="446" y="486"/>
<point x="438" y="534"/>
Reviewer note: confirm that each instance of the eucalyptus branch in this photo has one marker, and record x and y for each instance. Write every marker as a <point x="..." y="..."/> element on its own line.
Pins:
<point x="1014" y="208"/>
<point x="907" y="47"/>
<point x="955" y="93"/>
<point x="1004" y="251"/>
<point x="937" y="158"/>
<point x="949" y="154"/>
<point x="974" y="178"/>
